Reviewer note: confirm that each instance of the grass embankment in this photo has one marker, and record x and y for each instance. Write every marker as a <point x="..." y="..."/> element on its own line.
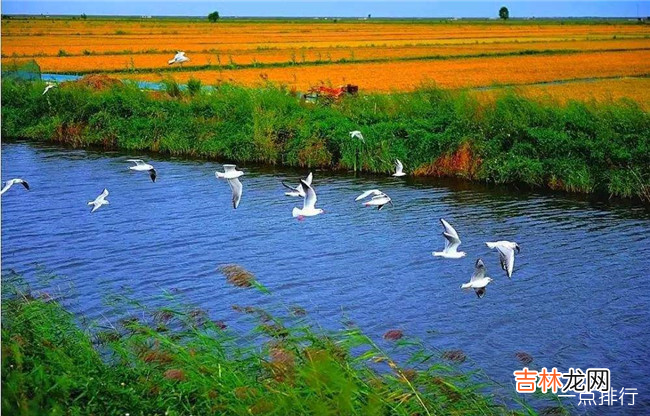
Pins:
<point x="578" y="147"/>
<point x="176" y="361"/>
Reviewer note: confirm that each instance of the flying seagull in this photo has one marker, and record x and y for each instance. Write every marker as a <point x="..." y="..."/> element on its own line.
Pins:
<point x="179" y="58"/>
<point x="298" y="190"/>
<point x="12" y="182"/>
<point x="399" y="168"/>
<point x="99" y="201"/>
<point x="478" y="281"/>
<point x="357" y="134"/>
<point x="48" y="86"/>
<point x="378" y="200"/>
<point x="451" y="244"/>
<point x="230" y="173"/>
<point x="309" y="206"/>
<point x="506" y="251"/>
<point x="141" y="166"/>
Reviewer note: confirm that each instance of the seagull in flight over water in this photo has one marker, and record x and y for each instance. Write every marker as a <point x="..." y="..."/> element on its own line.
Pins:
<point x="399" y="169"/>
<point x="378" y="200"/>
<point x="506" y="251"/>
<point x="141" y="166"/>
<point x="478" y="281"/>
<point x="12" y="182"/>
<point x="179" y="58"/>
<point x="231" y="174"/>
<point x="309" y="205"/>
<point x="99" y="201"/>
<point x="298" y="190"/>
<point x="451" y="244"/>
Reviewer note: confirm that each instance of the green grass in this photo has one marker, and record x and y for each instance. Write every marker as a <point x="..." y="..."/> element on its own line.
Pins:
<point x="176" y="361"/>
<point x="590" y="147"/>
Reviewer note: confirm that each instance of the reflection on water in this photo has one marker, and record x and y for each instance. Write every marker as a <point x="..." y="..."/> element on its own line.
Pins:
<point x="579" y="296"/>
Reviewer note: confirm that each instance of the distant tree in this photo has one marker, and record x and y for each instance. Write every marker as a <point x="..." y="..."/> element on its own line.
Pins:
<point x="83" y="16"/>
<point x="213" y="17"/>
<point x="504" y="13"/>
<point x="368" y="15"/>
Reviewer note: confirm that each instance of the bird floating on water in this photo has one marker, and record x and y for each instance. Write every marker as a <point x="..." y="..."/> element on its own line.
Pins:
<point x="298" y="190"/>
<point x="231" y="174"/>
<point x="506" y="254"/>
<point x="99" y="201"/>
<point x="452" y="241"/>
<point x="309" y="205"/>
<point x="357" y="134"/>
<point x="179" y="58"/>
<point x="399" y="169"/>
<point x="141" y="166"/>
<point x="378" y="200"/>
<point x="479" y="280"/>
<point x="48" y="86"/>
<point x="12" y="182"/>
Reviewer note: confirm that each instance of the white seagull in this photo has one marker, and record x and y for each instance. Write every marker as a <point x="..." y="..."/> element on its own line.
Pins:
<point x="230" y="173"/>
<point x="506" y="254"/>
<point x="179" y="58"/>
<point x="479" y="280"/>
<point x="298" y="190"/>
<point x="99" y="201"/>
<point x="451" y="244"/>
<point x="357" y="134"/>
<point x="309" y="206"/>
<point x="141" y="166"/>
<point x="48" y="86"/>
<point x="12" y="182"/>
<point x="399" y="169"/>
<point x="378" y="200"/>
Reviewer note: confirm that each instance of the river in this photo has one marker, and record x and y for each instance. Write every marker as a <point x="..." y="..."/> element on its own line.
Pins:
<point x="579" y="296"/>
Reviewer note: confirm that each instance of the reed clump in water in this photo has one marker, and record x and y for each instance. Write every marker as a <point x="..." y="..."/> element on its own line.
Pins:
<point x="237" y="275"/>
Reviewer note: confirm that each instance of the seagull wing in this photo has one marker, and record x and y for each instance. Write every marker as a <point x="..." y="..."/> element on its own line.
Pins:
<point x="309" y="178"/>
<point x="237" y="189"/>
<point x="289" y="187"/>
<point x="310" y="196"/>
<point x="453" y="241"/>
<point x="507" y="259"/>
<point x="398" y="166"/>
<point x="479" y="271"/>
<point x="153" y="174"/>
<point x="104" y="194"/>
<point x="25" y="184"/>
<point x="376" y="192"/>
<point x="136" y="161"/>
<point x="229" y="168"/>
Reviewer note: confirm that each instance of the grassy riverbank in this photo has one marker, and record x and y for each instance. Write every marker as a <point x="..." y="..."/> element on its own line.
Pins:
<point x="176" y="361"/>
<point x="578" y="147"/>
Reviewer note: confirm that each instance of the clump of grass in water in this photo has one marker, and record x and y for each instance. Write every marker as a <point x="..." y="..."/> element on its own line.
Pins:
<point x="237" y="275"/>
<point x="240" y="277"/>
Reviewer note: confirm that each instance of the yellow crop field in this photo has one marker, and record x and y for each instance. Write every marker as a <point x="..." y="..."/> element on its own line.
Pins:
<point x="452" y="73"/>
<point x="375" y="55"/>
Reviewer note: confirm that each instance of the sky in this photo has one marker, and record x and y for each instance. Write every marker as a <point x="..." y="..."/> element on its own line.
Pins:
<point x="323" y="8"/>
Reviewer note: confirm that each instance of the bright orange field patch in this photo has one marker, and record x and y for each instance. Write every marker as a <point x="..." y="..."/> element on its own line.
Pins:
<point x="250" y="57"/>
<point x="145" y="45"/>
<point x="608" y="90"/>
<point x="453" y="73"/>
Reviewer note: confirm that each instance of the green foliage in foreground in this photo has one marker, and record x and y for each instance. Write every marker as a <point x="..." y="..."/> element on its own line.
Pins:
<point x="578" y="147"/>
<point x="176" y="362"/>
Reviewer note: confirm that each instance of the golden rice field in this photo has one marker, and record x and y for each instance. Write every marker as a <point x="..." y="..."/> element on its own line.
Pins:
<point x="376" y="55"/>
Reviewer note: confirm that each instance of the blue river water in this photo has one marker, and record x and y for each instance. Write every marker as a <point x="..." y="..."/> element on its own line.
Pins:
<point x="579" y="296"/>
